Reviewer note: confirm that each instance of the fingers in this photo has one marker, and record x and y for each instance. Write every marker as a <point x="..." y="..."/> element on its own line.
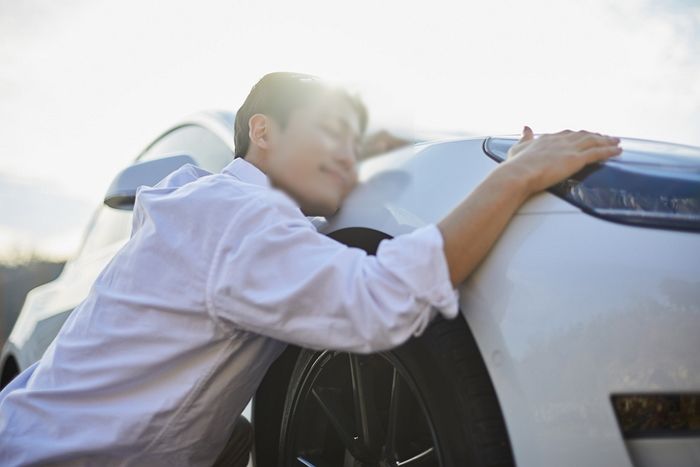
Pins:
<point x="595" y="147"/>
<point x="586" y="145"/>
<point x="585" y="139"/>
<point x="527" y="134"/>
<point x="526" y="137"/>
<point x="599" y="153"/>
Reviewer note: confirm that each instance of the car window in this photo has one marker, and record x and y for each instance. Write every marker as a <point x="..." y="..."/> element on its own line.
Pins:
<point x="107" y="227"/>
<point x="210" y="152"/>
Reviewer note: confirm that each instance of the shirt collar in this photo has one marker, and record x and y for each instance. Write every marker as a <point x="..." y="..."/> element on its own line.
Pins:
<point x="246" y="172"/>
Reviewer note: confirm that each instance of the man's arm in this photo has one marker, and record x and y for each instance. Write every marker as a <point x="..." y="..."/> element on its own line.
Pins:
<point x="533" y="165"/>
<point x="274" y="274"/>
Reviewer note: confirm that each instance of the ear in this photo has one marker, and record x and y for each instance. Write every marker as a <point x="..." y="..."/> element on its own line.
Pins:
<point x="260" y="131"/>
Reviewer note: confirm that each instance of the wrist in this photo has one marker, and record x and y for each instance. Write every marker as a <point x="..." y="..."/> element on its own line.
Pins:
<point x="516" y="178"/>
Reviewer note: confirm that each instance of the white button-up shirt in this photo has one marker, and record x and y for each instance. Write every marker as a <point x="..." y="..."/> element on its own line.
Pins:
<point x="178" y="330"/>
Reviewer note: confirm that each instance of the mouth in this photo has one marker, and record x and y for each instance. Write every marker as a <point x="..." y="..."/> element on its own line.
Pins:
<point x="335" y="175"/>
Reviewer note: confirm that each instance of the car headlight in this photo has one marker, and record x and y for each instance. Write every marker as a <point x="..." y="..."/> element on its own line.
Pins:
<point x="650" y="184"/>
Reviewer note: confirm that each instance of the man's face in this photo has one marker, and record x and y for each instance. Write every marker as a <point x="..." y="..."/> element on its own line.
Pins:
<point x="314" y="158"/>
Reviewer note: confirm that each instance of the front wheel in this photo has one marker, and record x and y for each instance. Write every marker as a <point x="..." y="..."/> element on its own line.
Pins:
<point x="428" y="402"/>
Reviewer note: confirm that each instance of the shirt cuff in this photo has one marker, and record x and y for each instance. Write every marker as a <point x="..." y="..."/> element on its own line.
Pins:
<point x="418" y="259"/>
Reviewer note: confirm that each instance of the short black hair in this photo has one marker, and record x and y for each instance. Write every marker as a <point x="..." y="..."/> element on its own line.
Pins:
<point x="278" y="94"/>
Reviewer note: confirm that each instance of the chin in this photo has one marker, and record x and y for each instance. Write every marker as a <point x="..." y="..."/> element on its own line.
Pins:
<point x="325" y="210"/>
<point x="318" y="211"/>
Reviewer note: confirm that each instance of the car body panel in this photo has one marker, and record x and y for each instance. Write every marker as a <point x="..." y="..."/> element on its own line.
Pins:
<point x="48" y="306"/>
<point x="567" y="309"/>
<point x="586" y="309"/>
<point x="410" y="187"/>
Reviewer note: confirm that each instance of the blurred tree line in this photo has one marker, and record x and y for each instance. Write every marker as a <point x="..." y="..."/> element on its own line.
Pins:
<point x="16" y="279"/>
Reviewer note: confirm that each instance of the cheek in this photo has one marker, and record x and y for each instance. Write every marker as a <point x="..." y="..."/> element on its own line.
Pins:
<point x="307" y="159"/>
<point x="300" y="173"/>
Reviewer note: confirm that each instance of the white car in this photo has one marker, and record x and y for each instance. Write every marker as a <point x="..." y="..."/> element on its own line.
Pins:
<point x="578" y="342"/>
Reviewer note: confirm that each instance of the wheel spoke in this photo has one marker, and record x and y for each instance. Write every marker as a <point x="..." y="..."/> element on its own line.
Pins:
<point x="304" y="462"/>
<point x="425" y="458"/>
<point x="392" y="422"/>
<point x="365" y="407"/>
<point x="337" y="415"/>
<point x="366" y="414"/>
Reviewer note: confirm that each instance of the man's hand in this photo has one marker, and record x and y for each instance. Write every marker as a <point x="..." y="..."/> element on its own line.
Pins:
<point x="551" y="158"/>
<point x="533" y="164"/>
<point x="380" y="142"/>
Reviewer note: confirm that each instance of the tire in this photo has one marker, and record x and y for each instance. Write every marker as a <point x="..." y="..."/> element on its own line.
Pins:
<point x="427" y="402"/>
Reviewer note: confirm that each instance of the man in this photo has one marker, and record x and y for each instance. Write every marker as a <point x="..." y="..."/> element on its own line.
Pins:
<point x="222" y="270"/>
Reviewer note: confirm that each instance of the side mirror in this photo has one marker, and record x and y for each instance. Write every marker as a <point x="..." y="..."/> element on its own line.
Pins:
<point x="122" y="192"/>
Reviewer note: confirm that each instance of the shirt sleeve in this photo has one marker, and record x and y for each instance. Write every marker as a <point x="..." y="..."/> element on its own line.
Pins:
<point x="275" y="275"/>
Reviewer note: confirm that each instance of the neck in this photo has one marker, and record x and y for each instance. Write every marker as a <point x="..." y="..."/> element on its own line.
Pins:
<point x="256" y="160"/>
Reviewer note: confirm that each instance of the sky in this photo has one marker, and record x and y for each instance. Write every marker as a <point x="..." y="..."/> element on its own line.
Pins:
<point x="86" y="84"/>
